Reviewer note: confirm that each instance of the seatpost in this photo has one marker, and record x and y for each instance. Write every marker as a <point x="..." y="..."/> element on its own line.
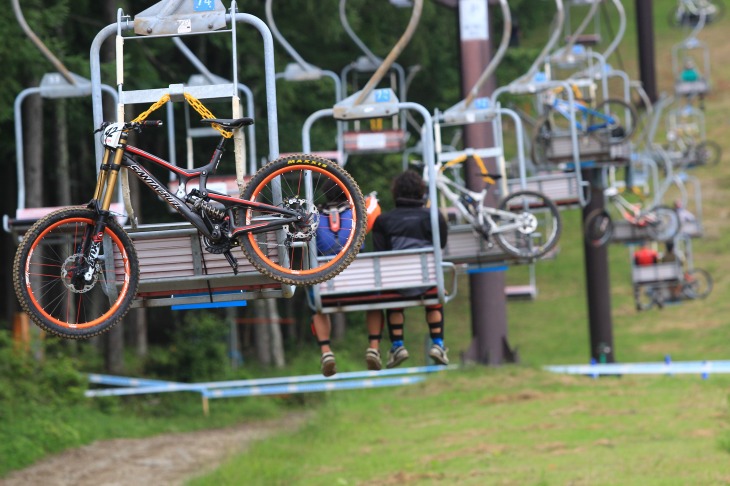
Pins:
<point x="212" y="165"/>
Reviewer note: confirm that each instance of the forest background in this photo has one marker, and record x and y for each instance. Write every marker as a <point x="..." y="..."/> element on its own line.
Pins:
<point x="58" y="138"/>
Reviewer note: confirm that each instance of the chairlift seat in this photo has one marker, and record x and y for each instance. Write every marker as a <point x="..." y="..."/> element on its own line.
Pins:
<point x="561" y="188"/>
<point x="466" y="247"/>
<point x="373" y="279"/>
<point x="588" y="39"/>
<point x="590" y="149"/>
<point x="175" y="268"/>
<point x="625" y="232"/>
<point x="222" y="184"/>
<point x="521" y="292"/>
<point x="667" y="273"/>
<point x="379" y="141"/>
<point x="691" y="88"/>
<point x="26" y="217"/>
<point x="693" y="229"/>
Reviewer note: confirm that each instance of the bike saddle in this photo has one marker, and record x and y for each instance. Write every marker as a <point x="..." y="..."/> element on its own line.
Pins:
<point x="229" y="123"/>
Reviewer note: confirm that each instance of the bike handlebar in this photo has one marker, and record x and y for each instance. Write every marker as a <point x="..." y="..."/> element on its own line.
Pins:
<point x="132" y="125"/>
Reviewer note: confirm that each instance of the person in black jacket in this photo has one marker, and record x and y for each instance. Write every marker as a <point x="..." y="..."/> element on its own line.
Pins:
<point x="405" y="227"/>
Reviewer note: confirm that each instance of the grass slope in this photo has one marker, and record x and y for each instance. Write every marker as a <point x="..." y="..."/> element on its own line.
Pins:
<point x="518" y="425"/>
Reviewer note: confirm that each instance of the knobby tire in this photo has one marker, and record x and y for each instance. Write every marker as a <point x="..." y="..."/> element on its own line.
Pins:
<point x="44" y="264"/>
<point x="523" y="245"/>
<point x="598" y="227"/>
<point x="266" y="251"/>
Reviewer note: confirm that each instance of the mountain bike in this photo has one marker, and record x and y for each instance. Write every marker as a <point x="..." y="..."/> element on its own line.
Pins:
<point x="76" y="270"/>
<point x="693" y="284"/>
<point x="686" y="150"/>
<point x="610" y="122"/>
<point x="526" y="224"/>
<point x="661" y="222"/>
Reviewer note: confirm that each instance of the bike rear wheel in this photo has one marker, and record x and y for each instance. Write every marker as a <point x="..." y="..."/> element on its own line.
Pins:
<point x="662" y="223"/>
<point x="289" y="254"/>
<point x="698" y="284"/>
<point x="538" y="225"/>
<point x="612" y="122"/>
<point x="49" y="258"/>
<point x="707" y="152"/>
<point x="598" y="227"/>
<point x="541" y="139"/>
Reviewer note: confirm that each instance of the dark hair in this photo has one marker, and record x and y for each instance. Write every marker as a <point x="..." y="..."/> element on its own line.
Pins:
<point x="408" y="185"/>
<point x="332" y="192"/>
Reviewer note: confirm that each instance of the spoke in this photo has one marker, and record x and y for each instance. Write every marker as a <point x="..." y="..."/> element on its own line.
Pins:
<point x="33" y="274"/>
<point x="79" y="304"/>
<point x="33" y="263"/>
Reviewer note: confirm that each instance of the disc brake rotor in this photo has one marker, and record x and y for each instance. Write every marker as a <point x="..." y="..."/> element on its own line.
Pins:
<point x="70" y="269"/>
<point x="306" y="228"/>
<point x="528" y="223"/>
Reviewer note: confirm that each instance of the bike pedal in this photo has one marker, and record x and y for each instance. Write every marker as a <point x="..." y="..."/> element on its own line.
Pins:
<point x="231" y="261"/>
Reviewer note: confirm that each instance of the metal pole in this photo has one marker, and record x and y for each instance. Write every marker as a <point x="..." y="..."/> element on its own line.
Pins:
<point x="598" y="282"/>
<point x="645" y="37"/>
<point x="488" y="303"/>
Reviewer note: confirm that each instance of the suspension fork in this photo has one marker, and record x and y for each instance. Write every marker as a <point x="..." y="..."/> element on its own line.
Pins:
<point x="92" y="243"/>
<point x="112" y="174"/>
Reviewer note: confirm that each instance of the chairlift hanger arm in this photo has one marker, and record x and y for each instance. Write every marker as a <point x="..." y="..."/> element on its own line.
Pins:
<point x="557" y="28"/>
<point x="286" y="45"/>
<point x="621" y="30"/>
<point x="40" y="45"/>
<point x="348" y="29"/>
<point x="394" y="53"/>
<point x="581" y="28"/>
<point x="492" y="66"/>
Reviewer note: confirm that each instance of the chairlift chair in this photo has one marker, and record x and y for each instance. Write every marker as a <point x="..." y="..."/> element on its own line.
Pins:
<point x="372" y="281"/>
<point x="197" y="277"/>
<point x="691" y="68"/>
<point x="384" y="134"/>
<point x="61" y="84"/>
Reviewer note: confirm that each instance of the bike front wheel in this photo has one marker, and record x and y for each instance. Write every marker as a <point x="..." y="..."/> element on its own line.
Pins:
<point x="647" y="297"/>
<point x="612" y="122"/>
<point x="304" y="183"/>
<point x="598" y="228"/>
<point x="697" y="284"/>
<point x="46" y="274"/>
<point x="533" y="226"/>
<point x="662" y="223"/>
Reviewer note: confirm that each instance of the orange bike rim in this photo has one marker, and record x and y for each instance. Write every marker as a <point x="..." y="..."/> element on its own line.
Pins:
<point x="349" y="238"/>
<point x="122" y="293"/>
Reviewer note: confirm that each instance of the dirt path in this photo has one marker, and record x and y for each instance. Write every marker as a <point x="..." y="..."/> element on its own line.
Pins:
<point x="163" y="460"/>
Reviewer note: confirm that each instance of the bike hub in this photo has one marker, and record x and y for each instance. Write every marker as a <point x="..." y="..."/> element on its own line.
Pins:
<point x="72" y="274"/>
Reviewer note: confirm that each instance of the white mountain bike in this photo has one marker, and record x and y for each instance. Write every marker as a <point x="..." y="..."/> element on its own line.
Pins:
<point x="525" y="224"/>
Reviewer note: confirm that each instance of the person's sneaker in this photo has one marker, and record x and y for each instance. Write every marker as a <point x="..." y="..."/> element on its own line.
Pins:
<point x="372" y="358"/>
<point x="328" y="364"/>
<point x="438" y="354"/>
<point x="396" y="357"/>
